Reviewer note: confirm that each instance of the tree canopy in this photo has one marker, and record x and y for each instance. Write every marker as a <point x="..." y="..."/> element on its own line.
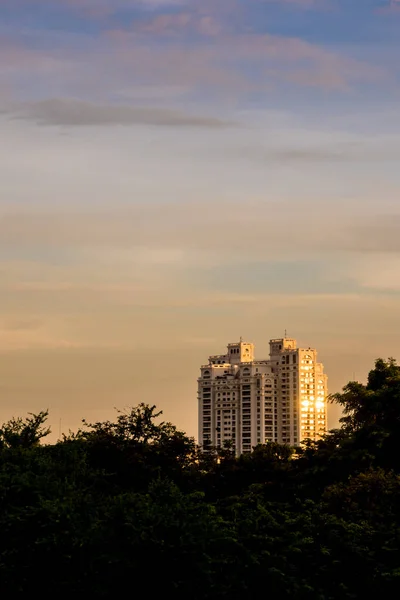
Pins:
<point x="134" y="504"/>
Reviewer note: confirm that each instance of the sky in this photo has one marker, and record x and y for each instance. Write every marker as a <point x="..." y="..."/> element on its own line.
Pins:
<point x="176" y="174"/>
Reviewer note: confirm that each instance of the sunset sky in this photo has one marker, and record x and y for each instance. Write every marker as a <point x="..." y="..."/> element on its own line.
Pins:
<point x="177" y="174"/>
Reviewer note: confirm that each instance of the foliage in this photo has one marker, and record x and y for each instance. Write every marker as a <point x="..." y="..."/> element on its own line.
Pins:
<point x="24" y="433"/>
<point x="135" y="500"/>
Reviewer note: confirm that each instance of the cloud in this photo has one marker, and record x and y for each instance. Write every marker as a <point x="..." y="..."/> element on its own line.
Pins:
<point x="380" y="272"/>
<point x="189" y="22"/>
<point x="390" y="8"/>
<point x="242" y="63"/>
<point x="235" y="65"/>
<point x="316" y="147"/>
<point x="184" y="233"/>
<point x="303" y="154"/>
<point x="111" y="4"/>
<point x="163" y="51"/>
<point x="79" y="113"/>
<point x="380" y="235"/>
<point x="370" y="272"/>
<point x="304" y="4"/>
<point x="21" y="324"/>
<point x="204" y="18"/>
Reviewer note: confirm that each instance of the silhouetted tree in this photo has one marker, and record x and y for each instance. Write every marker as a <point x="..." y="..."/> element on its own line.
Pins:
<point x="24" y="433"/>
<point x="136" y="500"/>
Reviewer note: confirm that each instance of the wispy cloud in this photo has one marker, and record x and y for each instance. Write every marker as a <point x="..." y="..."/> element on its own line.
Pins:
<point x="168" y="49"/>
<point x="77" y="113"/>
<point x="182" y="233"/>
<point x="305" y="4"/>
<point x="174" y="24"/>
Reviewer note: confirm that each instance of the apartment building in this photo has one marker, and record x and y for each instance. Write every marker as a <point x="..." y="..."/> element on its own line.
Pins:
<point x="248" y="401"/>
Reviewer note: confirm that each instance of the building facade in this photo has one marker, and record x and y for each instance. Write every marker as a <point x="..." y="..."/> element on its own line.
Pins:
<point x="281" y="399"/>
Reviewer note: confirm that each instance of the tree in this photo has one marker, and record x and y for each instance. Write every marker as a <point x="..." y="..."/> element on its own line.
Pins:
<point x="122" y="500"/>
<point x="136" y="425"/>
<point x="371" y="421"/>
<point x="138" y="447"/>
<point x="24" y="433"/>
<point x="374" y="404"/>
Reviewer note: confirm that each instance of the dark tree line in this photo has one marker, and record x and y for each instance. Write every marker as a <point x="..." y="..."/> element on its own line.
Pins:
<point x="134" y="507"/>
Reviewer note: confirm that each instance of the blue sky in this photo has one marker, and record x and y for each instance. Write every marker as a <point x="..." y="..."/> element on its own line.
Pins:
<point x="176" y="174"/>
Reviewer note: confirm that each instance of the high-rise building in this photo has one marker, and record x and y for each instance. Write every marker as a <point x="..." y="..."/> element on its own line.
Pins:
<point x="281" y="399"/>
